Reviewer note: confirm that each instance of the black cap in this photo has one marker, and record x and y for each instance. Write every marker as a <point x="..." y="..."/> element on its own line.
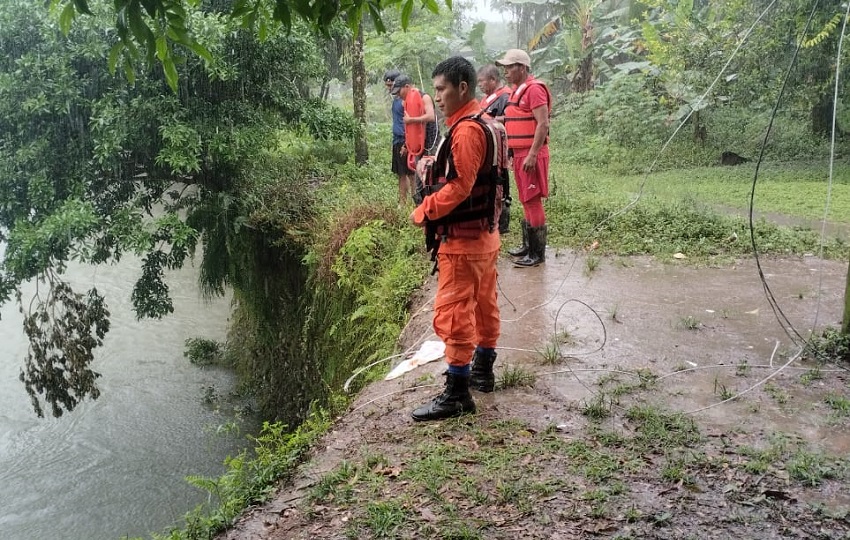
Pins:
<point x="400" y="82"/>
<point x="391" y="75"/>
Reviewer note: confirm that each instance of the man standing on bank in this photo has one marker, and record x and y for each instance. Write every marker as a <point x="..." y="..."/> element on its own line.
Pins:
<point x="420" y="126"/>
<point x="466" y="309"/>
<point x="493" y="103"/>
<point x="527" y="124"/>
<point x="399" y="155"/>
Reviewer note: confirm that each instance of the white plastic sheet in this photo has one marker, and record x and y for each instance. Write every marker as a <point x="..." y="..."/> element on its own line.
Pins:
<point x="428" y="352"/>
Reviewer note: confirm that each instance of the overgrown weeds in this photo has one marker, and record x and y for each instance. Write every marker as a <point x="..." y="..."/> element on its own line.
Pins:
<point x="831" y="345"/>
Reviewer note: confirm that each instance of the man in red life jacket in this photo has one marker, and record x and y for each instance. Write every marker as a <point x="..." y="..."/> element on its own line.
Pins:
<point x="527" y="124"/>
<point x="466" y="310"/>
<point x="493" y="103"/>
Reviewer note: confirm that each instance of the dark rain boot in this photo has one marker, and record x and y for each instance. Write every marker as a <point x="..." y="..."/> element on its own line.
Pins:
<point x="505" y="216"/>
<point x="481" y="375"/>
<point x="536" y="247"/>
<point x="522" y="250"/>
<point x="454" y="401"/>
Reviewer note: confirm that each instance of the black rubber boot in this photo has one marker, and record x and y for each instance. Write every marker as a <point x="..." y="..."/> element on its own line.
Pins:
<point x="454" y="401"/>
<point x="505" y="216"/>
<point x="522" y="250"/>
<point x="481" y="375"/>
<point x="536" y="247"/>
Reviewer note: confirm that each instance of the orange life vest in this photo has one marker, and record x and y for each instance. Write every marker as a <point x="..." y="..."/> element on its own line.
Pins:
<point x="493" y="105"/>
<point x="481" y="210"/>
<point x="414" y="134"/>
<point x="519" y="118"/>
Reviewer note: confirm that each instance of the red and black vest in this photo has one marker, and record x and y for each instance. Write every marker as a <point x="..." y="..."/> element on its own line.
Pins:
<point x="481" y="209"/>
<point x="519" y="119"/>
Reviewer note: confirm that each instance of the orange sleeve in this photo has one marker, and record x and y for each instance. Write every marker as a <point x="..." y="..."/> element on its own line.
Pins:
<point x="469" y="149"/>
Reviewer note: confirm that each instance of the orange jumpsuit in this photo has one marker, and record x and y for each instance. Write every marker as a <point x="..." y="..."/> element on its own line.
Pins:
<point x="466" y="309"/>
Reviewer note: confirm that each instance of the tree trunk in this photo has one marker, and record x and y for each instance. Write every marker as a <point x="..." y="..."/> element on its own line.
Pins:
<point x="700" y="132"/>
<point x="845" y="324"/>
<point x="821" y="116"/>
<point x="358" y="88"/>
<point x="583" y="77"/>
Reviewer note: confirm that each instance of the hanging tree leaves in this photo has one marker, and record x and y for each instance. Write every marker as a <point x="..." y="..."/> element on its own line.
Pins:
<point x="64" y="329"/>
<point x="150" y="28"/>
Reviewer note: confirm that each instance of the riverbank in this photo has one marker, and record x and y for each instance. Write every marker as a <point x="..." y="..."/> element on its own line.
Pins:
<point x="612" y="418"/>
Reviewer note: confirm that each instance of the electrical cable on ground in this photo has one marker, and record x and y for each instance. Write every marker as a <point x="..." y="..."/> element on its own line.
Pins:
<point x="783" y="320"/>
<point x="756" y="385"/>
<point x="831" y="166"/>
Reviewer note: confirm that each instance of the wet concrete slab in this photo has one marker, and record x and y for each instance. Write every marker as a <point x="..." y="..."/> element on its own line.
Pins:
<point x="708" y="333"/>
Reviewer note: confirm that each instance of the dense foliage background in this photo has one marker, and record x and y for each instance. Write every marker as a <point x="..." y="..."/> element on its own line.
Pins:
<point x="173" y="129"/>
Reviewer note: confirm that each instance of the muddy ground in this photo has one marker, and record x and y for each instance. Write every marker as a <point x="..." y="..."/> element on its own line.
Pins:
<point x="615" y="422"/>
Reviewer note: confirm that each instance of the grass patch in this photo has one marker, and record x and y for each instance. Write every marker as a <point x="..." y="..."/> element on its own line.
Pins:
<point x="813" y="468"/>
<point x="657" y="429"/>
<point x="838" y="403"/>
<point x="688" y="323"/>
<point x="515" y="376"/>
<point x="721" y="391"/>
<point x="802" y="464"/>
<point x="742" y="369"/>
<point x="551" y="352"/>
<point x="830" y="346"/>
<point x="776" y="393"/>
<point x="598" y="408"/>
<point x="703" y="217"/>
<point x="383" y="519"/>
<point x="591" y="265"/>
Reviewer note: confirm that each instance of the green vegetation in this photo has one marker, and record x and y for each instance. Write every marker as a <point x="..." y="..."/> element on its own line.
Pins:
<point x="256" y="167"/>
<point x="689" y="322"/>
<point x="251" y="478"/>
<point x="593" y="205"/>
<point x="515" y="376"/>
<point x="470" y="478"/>
<point x="803" y="465"/>
<point x="204" y="352"/>
<point x="830" y="345"/>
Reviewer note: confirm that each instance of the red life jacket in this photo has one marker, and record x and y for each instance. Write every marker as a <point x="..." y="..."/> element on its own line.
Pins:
<point x="519" y="119"/>
<point x="495" y="103"/>
<point x="481" y="210"/>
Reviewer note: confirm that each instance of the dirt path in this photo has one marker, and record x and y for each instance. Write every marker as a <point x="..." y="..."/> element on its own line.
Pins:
<point x="589" y="438"/>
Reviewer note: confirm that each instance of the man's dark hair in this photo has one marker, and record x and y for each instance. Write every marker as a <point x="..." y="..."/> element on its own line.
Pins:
<point x="490" y="71"/>
<point x="391" y="75"/>
<point x="455" y="70"/>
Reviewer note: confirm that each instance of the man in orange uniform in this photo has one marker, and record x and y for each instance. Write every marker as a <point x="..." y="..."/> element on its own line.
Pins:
<point x="493" y="103"/>
<point x="527" y="124"/>
<point x="466" y="310"/>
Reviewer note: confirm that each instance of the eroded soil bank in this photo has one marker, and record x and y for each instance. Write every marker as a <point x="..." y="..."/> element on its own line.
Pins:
<point x="613" y="421"/>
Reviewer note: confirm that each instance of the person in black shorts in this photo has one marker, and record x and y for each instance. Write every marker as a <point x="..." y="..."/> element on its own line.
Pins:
<point x="399" y="155"/>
